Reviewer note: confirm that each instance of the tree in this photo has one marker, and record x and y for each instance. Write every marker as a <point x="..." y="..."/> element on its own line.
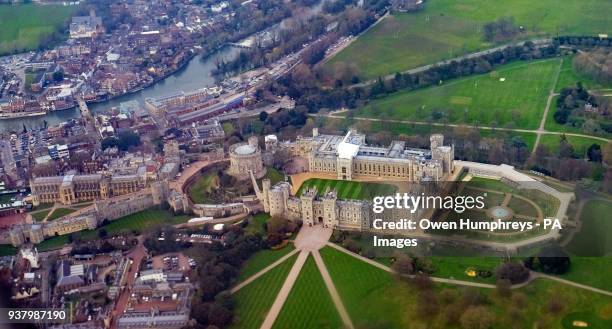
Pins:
<point x="263" y="116"/>
<point x="477" y="317"/>
<point x="503" y="288"/>
<point x="551" y="260"/>
<point x="594" y="153"/>
<point x="403" y="265"/>
<point x="513" y="271"/>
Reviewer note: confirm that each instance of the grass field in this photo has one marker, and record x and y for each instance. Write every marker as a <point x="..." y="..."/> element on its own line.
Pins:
<point x="7" y="250"/>
<point x="139" y="222"/>
<point x="254" y="300"/>
<point x="60" y="212"/>
<point x="309" y="304"/>
<point x="348" y="189"/>
<point x="200" y="191"/>
<point x="448" y="28"/>
<point x="261" y="259"/>
<point x="374" y="299"/>
<point x="568" y="77"/>
<point x="274" y="175"/>
<point x="592" y="271"/>
<point x="55" y="242"/>
<point x="40" y="215"/>
<point x="23" y="26"/>
<point x="580" y="144"/>
<point x="518" y="101"/>
<point x="257" y="223"/>
<point x="594" y="238"/>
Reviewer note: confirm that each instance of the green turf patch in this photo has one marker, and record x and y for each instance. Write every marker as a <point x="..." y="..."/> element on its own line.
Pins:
<point x="568" y="77"/>
<point x="594" y="237"/>
<point x="254" y="300"/>
<point x="579" y="144"/>
<point x="374" y="299"/>
<point x="60" y="212"/>
<point x="348" y="189"/>
<point x="139" y="222"/>
<point x="592" y="271"/>
<point x="55" y="242"/>
<point x="39" y="216"/>
<point x="22" y="27"/>
<point x="447" y="29"/>
<point x="518" y="101"/>
<point x="200" y="191"/>
<point x="261" y="260"/>
<point x="7" y="250"/>
<point x="257" y="224"/>
<point x="309" y="304"/>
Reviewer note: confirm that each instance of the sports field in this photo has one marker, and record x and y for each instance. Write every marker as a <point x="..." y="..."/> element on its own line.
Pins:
<point x="254" y="300"/>
<point x="519" y="100"/>
<point x="348" y="190"/>
<point x="448" y="28"/>
<point x="23" y="26"/>
<point x="309" y="304"/>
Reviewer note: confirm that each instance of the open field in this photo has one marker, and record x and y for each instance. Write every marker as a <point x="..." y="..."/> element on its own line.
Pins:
<point x="375" y="299"/>
<point x="580" y="144"/>
<point x="455" y="267"/>
<point x="568" y="78"/>
<point x="448" y="28"/>
<point x="22" y="27"/>
<point x="201" y="189"/>
<point x="594" y="238"/>
<point x="348" y="189"/>
<point x="309" y="304"/>
<point x="261" y="259"/>
<point x="254" y="300"/>
<point x="518" y="101"/>
<point x="592" y="271"/>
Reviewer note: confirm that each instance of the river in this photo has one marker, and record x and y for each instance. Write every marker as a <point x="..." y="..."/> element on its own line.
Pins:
<point x="196" y="74"/>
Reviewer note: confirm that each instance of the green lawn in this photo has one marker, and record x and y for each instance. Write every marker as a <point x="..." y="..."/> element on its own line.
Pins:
<point x="257" y="223"/>
<point x="254" y="300"/>
<point x="449" y="28"/>
<point x="261" y="259"/>
<point x="568" y="78"/>
<point x="594" y="238"/>
<point x="55" y="242"/>
<point x="22" y="27"/>
<point x="40" y="215"/>
<point x="200" y="191"/>
<point x="455" y="267"/>
<point x="580" y="144"/>
<point x="309" y="304"/>
<point x="274" y="175"/>
<point x="139" y="222"/>
<point x="7" y="250"/>
<point x="519" y="101"/>
<point x="592" y="271"/>
<point x="60" y="212"/>
<point x="348" y="189"/>
<point x="374" y="299"/>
